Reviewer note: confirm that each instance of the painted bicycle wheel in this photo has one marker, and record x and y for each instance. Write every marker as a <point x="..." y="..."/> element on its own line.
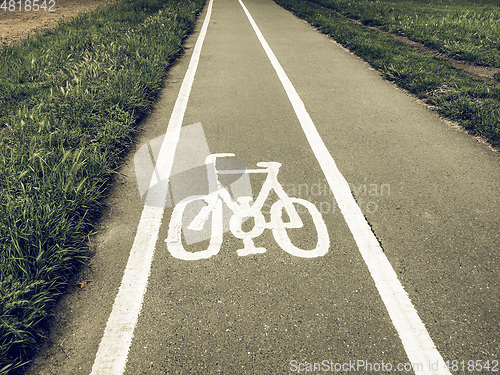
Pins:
<point x="176" y="227"/>
<point x="282" y="238"/>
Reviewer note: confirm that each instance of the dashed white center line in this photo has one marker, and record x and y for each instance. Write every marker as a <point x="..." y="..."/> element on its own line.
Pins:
<point x="416" y="340"/>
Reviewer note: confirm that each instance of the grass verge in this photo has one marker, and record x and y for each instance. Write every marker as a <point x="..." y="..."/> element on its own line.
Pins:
<point x="474" y="104"/>
<point x="69" y="103"/>
<point x="461" y="29"/>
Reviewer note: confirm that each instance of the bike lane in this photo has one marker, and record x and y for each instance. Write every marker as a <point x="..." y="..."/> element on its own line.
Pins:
<point x="256" y="314"/>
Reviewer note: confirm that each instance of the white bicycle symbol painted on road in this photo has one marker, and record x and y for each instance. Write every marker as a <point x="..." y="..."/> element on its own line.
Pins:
<point x="242" y="210"/>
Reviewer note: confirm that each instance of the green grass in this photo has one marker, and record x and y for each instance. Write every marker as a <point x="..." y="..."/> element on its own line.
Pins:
<point x="461" y="29"/>
<point x="70" y="101"/>
<point x="473" y="103"/>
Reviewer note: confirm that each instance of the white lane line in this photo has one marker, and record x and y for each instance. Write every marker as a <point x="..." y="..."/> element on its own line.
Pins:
<point x="112" y="354"/>
<point x="416" y="340"/>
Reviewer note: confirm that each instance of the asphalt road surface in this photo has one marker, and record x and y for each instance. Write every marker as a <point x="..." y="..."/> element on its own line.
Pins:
<point x="368" y="245"/>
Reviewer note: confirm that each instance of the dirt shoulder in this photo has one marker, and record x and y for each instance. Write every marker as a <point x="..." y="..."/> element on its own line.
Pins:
<point x="17" y="25"/>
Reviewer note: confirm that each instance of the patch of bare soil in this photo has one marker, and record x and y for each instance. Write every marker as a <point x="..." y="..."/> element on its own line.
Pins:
<point x="17" y="25"/>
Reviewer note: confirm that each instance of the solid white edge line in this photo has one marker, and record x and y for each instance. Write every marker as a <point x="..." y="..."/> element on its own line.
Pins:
<point x="111" y="357"/>
<point x="416" y="340"/>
